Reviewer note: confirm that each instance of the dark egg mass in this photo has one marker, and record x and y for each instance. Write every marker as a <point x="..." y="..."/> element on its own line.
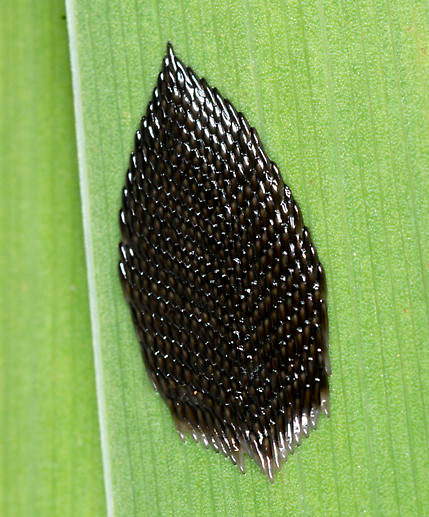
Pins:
<point x="226" y="292"/>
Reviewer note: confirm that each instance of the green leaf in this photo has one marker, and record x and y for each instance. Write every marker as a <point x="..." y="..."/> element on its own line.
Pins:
<point x="338" y="93"/>
<point x="50" y="457"/>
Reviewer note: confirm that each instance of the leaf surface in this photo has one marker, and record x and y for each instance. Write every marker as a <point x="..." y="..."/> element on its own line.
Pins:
<point x="50" y="456"/>
<point x="338" y="93"/>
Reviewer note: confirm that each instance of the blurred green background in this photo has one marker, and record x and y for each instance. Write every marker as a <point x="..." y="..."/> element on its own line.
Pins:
<point x="50" y="457"/>
<point x="338" y="93"/>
